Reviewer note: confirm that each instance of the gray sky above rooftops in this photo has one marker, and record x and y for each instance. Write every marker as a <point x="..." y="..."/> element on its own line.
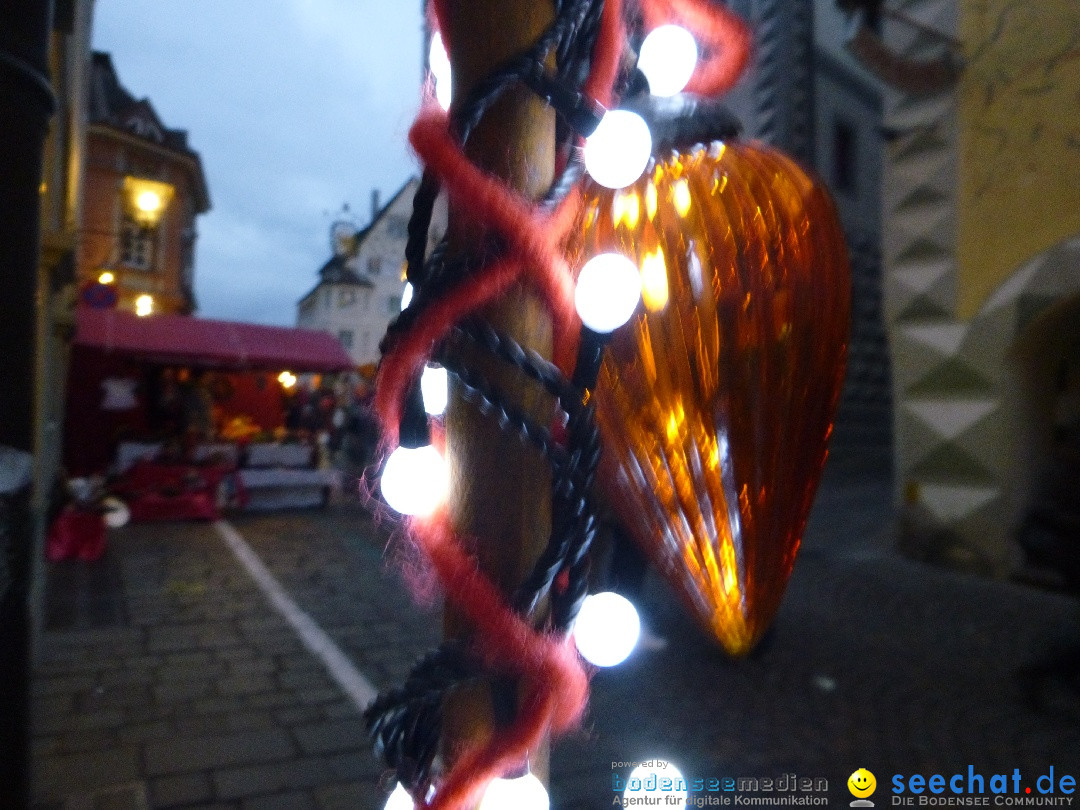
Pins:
<point x="296" y="107"/>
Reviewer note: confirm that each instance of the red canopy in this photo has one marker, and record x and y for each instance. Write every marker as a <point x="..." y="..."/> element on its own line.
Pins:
<point x="182" y="340"/>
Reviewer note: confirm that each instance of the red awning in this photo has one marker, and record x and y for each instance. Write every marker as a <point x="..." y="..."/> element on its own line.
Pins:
<point x="182" y="340"/>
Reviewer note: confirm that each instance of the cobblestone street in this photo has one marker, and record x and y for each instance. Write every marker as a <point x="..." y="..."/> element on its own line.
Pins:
<point x="166" y="678"/>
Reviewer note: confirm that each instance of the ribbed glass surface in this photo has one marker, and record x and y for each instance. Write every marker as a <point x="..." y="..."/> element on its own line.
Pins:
<point x="716" y="400"/>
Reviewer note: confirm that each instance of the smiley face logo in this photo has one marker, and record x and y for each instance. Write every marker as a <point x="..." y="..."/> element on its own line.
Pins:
<point x="861" y="783"/>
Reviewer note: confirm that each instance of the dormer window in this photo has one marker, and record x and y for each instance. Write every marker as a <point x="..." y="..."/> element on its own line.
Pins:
<point x="144" y="128"/>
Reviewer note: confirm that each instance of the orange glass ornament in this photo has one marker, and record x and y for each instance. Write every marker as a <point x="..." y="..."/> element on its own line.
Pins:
<point x="715" y="402"/>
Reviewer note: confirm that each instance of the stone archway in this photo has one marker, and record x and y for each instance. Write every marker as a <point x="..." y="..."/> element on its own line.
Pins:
<point x="969" y="415"/>
<point x="1043" y="404"/>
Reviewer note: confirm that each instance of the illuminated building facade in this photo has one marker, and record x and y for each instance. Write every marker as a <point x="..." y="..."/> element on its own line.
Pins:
<point x="144" y="187"/>
<point x="360" y="287"/>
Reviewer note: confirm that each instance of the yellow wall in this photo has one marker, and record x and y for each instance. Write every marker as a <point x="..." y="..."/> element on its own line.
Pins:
<point x="1019" y="124"/>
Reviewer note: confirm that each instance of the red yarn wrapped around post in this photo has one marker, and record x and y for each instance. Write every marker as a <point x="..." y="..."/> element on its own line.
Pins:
<point x="554" y="683"/>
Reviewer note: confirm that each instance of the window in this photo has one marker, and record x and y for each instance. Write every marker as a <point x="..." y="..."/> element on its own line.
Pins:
<point x="845" y="163"/>
<point x="397" y="226"/>
<point x="307" y="311"/>
<point x="345" y="337"/>
<point x="140" y="125"/>
<point x="374" y="265"/>
<point x="346" y="298"/>
<point x="136" y="245"/>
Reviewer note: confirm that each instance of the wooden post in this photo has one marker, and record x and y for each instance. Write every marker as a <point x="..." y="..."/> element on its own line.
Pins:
<point x="500" y="486"/>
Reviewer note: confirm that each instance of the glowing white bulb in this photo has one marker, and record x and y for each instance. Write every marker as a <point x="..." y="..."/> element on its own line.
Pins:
<point x="607" y="628"/>
<point x="144" y="305"/>
<point x="668" y="58"/>
<point x="117" y="513"/>
<point x="434" y="386"/>
<point x="406" y="295"/>
<point x="414" y="481"/>
<point x="617" y="153"/>
<point x="607" y="293"/>
<point x="657" y="780"/>
<point x="523" y="793"/>
<point x="439" y="63"/>
<point x="399" y="800"/>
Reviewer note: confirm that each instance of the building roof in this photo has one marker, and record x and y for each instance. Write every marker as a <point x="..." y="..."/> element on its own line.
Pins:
<point x="183" y="340"/>
<point x="337" y="270"/>
<point x="112" y="105"/>
<point x="364" y="233"/>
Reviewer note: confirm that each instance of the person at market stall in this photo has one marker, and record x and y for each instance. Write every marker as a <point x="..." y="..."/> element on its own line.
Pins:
<point x="165" y="411"/>
<point x="361" y="430"/>
<point x="196" y="407"/>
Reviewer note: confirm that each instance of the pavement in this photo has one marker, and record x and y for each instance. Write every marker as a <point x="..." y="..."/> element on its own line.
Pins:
<point x="167" y="678"/>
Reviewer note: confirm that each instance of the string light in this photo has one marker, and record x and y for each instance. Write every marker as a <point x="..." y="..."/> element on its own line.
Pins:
<point x="434" y="385"/>
<point x="615" y="154"/>
<point x="618" y="151"/>
<point x="607" y="293"/>
<point x="655" y="781"/>
<point x="287" y="379"/>
<point x="399" y="799"/>
<point x="144" y="305"/>
<point x="439" y="63"/>
<point x="523" y="793"/>
<point x="116" y="513"/>
<point x="414" y="481"/>
<point x="607" y="629"/>
<point x="668" y="58"/>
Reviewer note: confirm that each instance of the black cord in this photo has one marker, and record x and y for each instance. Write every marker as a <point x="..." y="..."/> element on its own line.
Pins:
<point x="571" y="36"/>
<point x="490" y="402"/>
<point x="405" y="723"/>
<point x="528" y="362"/>
<point x="31" y="77"/>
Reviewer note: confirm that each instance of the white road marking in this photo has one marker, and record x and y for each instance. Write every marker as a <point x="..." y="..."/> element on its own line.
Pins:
<point x="352" y="682"/>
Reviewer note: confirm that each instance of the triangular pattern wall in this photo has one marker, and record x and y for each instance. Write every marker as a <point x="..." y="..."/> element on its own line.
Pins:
<point x="958" y="418"/>
<point x="946" y="404"/>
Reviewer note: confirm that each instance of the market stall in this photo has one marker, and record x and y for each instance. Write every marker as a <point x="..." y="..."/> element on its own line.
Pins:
<point x="182" y="411"/>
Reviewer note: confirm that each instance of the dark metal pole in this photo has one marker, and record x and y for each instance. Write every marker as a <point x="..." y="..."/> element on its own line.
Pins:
<point x="26" y="103"/>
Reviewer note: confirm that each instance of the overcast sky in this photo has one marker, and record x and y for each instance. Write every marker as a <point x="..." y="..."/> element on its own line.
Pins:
<point x="296" y="107"/>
